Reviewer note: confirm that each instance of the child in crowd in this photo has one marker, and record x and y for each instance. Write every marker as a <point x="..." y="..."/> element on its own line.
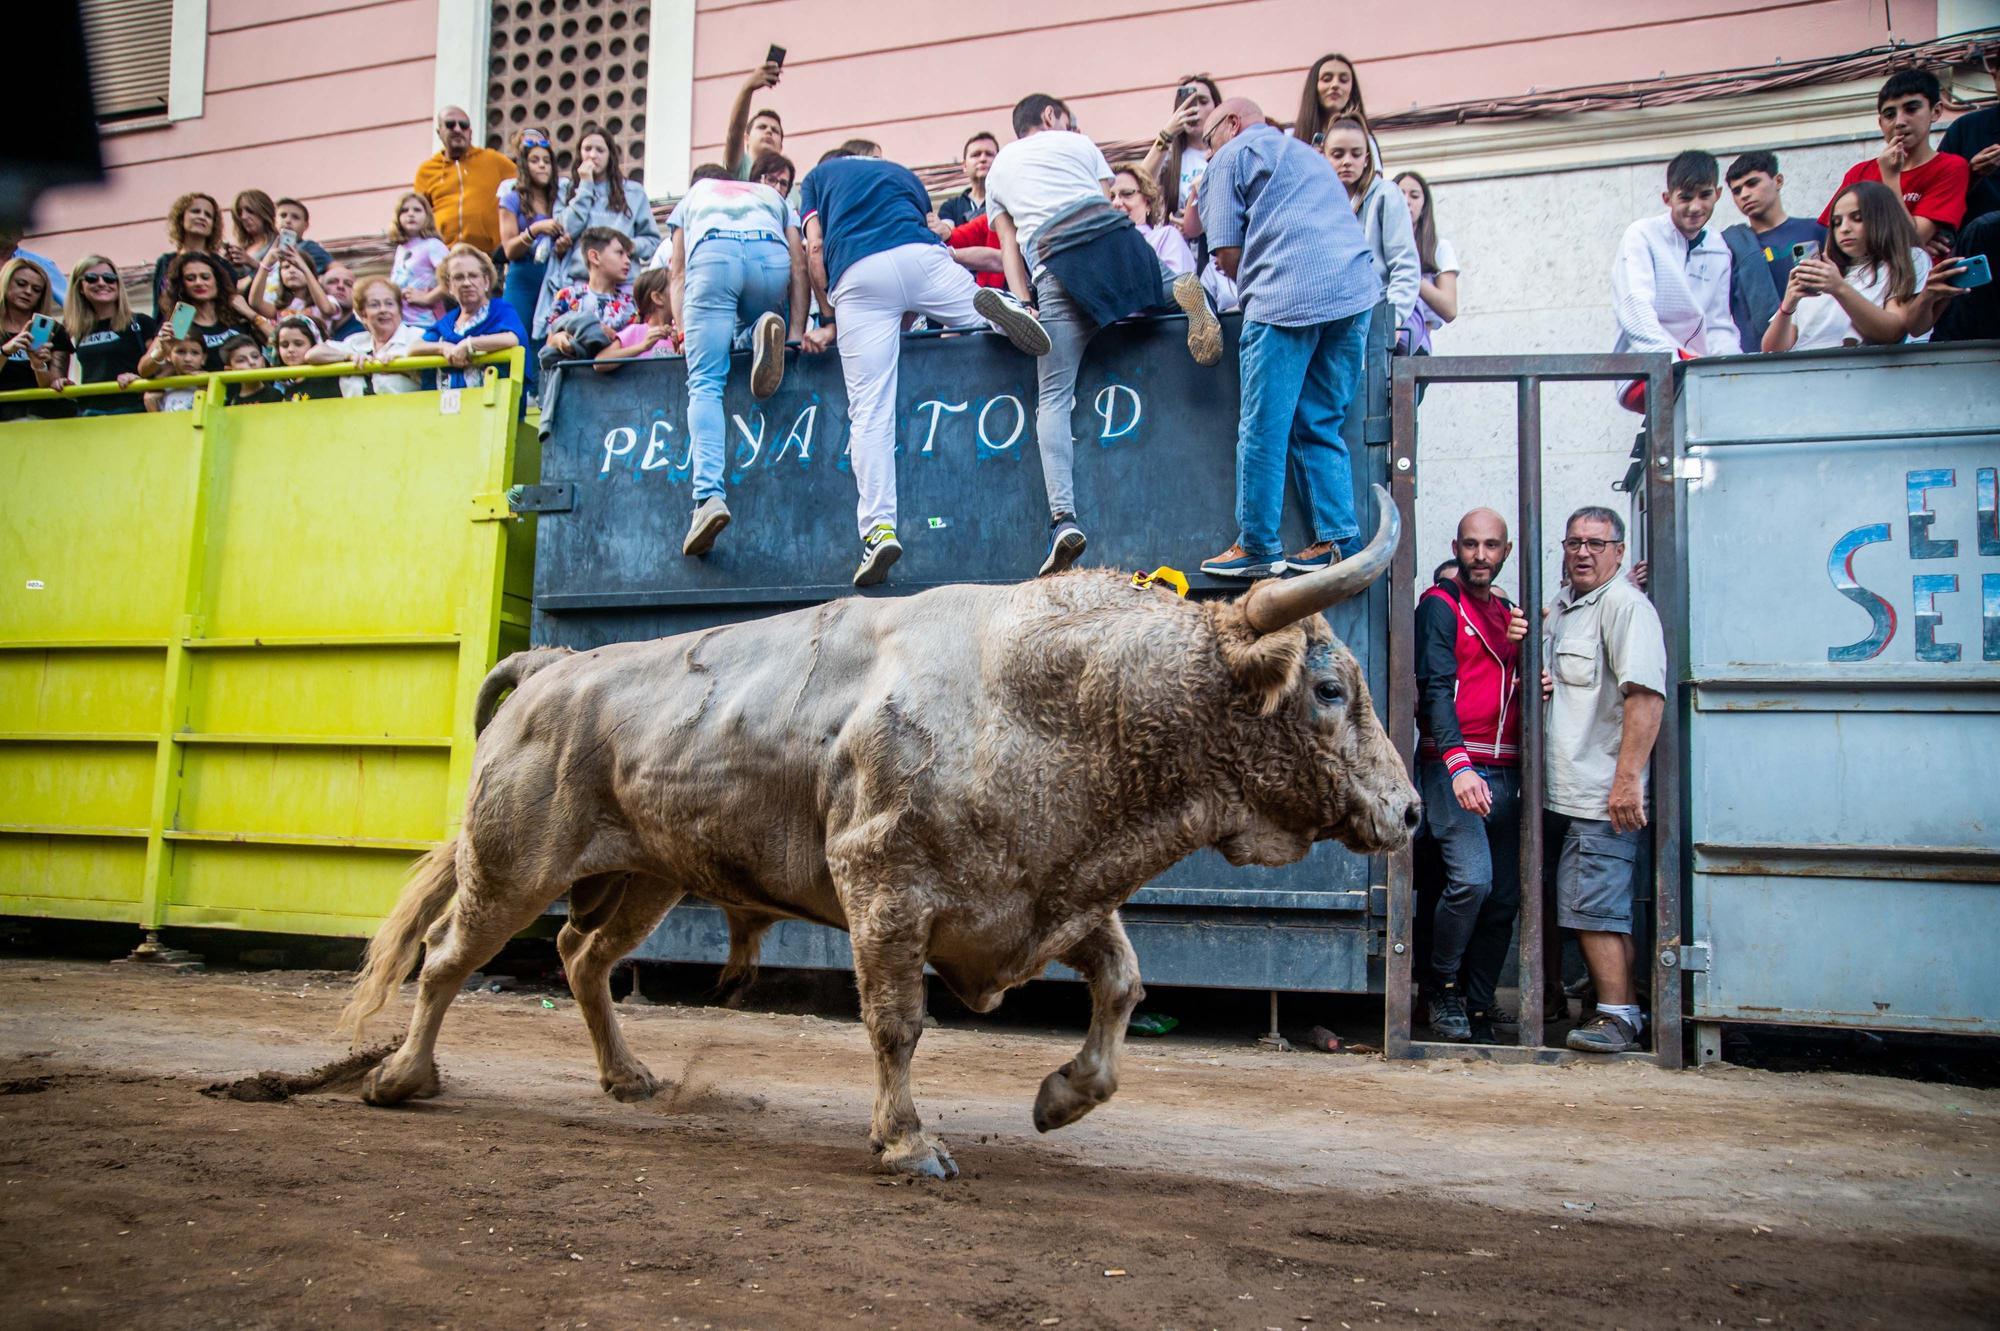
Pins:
<point x="652" y="334"/>
<point x="1670" y="281"/>
<point x="603" y="299"/>
<point x="1385" y="220"/>
<point x="1930" y="184"/>
<point x="184" y="355"/>
<point x="242" y="352"/>
<point x="294" y="341"/>
<point x="298" y="286"/>
<point x="419" y="259"/>
<point x="1861" y="289"/>
<point x="1760" y="246"/>
<point x="1437" y="261"/>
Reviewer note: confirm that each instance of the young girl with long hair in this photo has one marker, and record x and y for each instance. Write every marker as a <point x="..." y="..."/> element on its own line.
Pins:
<point x="1177" y="156"/>
<point x="528" y="226"/>
<point x="1437" y="261"/>
<point x="418" y="266"/>
<point x="1860" y="289"/>
<point x="595" y="193"/>
<point x="1333" y="92"/>
<point x="110" y="339"/>
<point x="1384" y="218"/>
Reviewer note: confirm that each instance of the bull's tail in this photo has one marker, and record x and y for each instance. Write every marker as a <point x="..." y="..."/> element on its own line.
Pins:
<point x="511" y="673"/>
<point x="433" y="883"/>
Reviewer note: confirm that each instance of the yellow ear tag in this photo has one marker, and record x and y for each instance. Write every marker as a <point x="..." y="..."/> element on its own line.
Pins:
<point x="1171" y="577"/>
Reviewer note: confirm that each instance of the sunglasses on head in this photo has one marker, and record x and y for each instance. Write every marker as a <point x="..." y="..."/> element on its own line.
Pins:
<point x="533" y="141"/>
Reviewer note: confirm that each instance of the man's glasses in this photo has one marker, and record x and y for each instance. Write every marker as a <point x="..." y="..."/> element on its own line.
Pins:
<point x="108" y="279"/>
<point x="1210" y="134"/>
<point x="460" y="124"/>
<point x="1597" y="545"/>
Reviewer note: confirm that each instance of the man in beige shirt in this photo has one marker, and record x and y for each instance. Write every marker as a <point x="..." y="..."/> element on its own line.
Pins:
<point x="1605" y="679"/>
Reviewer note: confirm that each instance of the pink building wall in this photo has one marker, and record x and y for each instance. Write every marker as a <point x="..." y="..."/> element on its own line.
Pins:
<point x="331" y="100"/>
<point x="327" y="101"/>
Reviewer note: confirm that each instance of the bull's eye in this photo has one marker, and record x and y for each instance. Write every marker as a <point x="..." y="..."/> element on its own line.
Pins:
<point x="1328" y="693"/>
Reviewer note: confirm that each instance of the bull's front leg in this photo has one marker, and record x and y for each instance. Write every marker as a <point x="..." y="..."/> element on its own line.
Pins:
<point x="1106" y="960"/>
<point x="889" y="950"/>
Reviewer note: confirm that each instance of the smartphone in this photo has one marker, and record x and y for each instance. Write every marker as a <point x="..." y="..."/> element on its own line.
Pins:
<point x="1185" y="91"/>
<point x="775" y="56"/>
<point x="288" y="239"/>
<point x="41" y="328"/>
<point x="1805" y="249"/>
<point x="1977" y="272"/>
<point x="183" y="319"/>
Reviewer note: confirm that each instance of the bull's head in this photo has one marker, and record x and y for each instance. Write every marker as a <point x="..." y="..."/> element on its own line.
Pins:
<point x="1315" y="763"/>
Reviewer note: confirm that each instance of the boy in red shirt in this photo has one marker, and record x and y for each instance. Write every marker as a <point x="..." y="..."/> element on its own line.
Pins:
<point x="1931" y="184"/>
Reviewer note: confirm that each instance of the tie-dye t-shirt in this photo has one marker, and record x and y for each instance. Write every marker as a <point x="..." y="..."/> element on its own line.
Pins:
<point x="734" y="206"/>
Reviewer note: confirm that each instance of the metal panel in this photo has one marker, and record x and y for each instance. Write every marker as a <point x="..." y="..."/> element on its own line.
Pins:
<point x="1843" y="560"/>
<point x="238" y="652"/>
<point x="1155" y="485"/>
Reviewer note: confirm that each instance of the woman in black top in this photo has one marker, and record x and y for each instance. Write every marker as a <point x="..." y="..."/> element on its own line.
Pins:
<point x="194" y="225"/>
<point x="24" y="294"/>
<point x="219" y="310"/>
<point x="110" y="339"/>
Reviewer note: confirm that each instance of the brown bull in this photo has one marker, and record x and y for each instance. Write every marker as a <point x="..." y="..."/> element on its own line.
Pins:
<point x="975" y="778"/>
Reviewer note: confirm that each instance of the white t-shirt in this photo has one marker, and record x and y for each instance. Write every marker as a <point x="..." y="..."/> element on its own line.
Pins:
<point x="358" y="385"/>
<point x="734" y="206"/>
<point x="1447" y="262"/>
<point x="1820" y="320"/>
<point x="1194" y="161"/>
<point x="1171" y="246"/>
<point x="1035" y="178"/>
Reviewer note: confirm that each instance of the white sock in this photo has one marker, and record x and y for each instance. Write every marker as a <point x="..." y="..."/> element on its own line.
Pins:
<point x="1629" y="1014"/>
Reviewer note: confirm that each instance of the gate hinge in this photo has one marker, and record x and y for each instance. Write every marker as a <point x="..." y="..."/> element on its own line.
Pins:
<point x="1684" y="468"/>
<point x="542" y="498"/>
<point x="491" y="507"/>
<point x="1694" y="956"/>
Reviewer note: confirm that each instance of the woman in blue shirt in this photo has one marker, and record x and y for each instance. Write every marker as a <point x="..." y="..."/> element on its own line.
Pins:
<point x="482" y="325"/>
<point x="528" y="227"/>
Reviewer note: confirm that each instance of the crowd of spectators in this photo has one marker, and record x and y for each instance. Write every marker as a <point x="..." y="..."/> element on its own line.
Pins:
<point x="1895" y="254"/>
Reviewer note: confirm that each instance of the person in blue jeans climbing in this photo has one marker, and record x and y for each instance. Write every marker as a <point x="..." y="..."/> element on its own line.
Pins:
<point x="739" y="269"/>
<point x="1279" y="225"/>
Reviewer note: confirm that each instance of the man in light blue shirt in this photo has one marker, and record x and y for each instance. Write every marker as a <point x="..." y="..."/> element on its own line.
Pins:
<point x="1279" y="223"/>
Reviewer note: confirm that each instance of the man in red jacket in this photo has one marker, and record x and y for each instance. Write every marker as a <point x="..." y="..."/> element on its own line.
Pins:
<point x="1468" y="768"/>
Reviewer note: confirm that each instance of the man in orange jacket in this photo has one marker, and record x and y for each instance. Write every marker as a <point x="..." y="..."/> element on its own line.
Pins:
<point x="463" y="184"/>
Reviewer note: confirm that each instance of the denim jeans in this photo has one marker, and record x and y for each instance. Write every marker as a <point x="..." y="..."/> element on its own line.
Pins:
<point x="1297" y="384"/>
<point x="730" y="283"/>
<point x="1474" y="922"/>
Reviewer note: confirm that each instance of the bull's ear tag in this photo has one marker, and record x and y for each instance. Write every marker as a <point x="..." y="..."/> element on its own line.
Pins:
<point x="1163" y="576"/>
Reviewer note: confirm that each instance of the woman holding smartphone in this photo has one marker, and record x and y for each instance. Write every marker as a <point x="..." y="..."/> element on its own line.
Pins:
<point x="1177" y="157"/>
<point x="32" y="338"/>
<point x="1860" y="291"/>
<point x="213" y="312"/>
<point x="109" y="336"/>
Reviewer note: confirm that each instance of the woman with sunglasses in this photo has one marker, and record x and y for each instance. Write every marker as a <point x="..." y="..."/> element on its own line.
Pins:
<point x="528" y="227"/>
<point x="110" y="338"/>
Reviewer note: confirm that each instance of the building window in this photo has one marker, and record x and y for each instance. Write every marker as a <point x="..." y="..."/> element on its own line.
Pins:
<point x="131" y="47"/>
<point x="563" y="64"/>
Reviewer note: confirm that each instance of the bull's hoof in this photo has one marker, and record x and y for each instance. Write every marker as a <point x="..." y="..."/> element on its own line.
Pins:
<point x="631" y="1087"/>
<point x="1059" y="1103"/>
<point x="382" y="1087"/>
<point x="918" y="1156"/>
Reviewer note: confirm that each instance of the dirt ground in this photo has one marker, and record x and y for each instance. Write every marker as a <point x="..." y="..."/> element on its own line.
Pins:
<point x="1225" y="1186"/>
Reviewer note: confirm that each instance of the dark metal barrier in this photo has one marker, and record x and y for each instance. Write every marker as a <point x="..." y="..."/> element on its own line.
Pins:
<point x="1155" y="480"/>
<point x="1528" y="374"/>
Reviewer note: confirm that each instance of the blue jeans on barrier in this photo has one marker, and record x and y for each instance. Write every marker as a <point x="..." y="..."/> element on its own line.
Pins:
<point x="731" y="281"/>
<point x="1297" y="384"/>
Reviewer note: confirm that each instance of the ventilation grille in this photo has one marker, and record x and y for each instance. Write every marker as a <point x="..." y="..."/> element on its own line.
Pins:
<point x="563" y="64"/>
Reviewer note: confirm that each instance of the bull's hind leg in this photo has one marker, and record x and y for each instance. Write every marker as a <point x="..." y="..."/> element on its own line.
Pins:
<point x="609" y="917"/>
<point x="889" y="971"/>
<point x="1106" y="960"/>
<point x="471" y="932"/>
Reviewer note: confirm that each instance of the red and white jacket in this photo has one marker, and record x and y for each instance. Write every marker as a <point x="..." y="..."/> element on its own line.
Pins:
<point x="1468" y="680"/>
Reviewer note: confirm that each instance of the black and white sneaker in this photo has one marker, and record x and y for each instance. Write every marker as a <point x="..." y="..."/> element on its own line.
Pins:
<point x="767" y="355"/>
<point x="1066" y="543"/>
<point x="1013" y="319"/>
<point x="879" y="550"/>
<point x="710" y="517"/>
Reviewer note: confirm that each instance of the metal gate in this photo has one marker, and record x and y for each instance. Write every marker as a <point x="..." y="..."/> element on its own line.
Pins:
<point x="1842" y="615"/>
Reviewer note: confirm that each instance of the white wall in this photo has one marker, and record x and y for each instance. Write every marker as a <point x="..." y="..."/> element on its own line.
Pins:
<point x="1537" y="253"/>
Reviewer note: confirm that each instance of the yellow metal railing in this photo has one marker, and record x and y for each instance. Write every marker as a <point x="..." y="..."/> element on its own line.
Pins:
<point x="514" y="360"/>
<point x="239" y="649"/>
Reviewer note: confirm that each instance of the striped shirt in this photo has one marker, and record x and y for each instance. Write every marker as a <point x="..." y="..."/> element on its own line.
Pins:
<point x="1305" y="260"/>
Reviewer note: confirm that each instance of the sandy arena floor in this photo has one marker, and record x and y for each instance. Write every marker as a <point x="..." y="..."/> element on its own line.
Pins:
<point x="1223" y="1187"/>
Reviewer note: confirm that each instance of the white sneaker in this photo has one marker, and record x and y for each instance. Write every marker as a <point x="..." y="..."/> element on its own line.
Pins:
<point x="708" y="521"/>
<point x="1012" y="319"/>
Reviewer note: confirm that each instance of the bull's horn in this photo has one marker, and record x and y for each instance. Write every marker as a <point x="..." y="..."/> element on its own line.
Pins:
<point x="1271" y="605"/>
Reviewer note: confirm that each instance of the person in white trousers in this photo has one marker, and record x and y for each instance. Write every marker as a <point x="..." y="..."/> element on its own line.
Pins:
<point x="874" y="260"/>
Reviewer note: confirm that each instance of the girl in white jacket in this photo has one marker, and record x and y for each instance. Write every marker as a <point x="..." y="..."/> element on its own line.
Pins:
<point x="1383" y="214"/>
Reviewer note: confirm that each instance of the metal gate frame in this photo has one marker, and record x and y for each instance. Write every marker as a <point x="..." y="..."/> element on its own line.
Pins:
<point x="1528" y="374"/>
